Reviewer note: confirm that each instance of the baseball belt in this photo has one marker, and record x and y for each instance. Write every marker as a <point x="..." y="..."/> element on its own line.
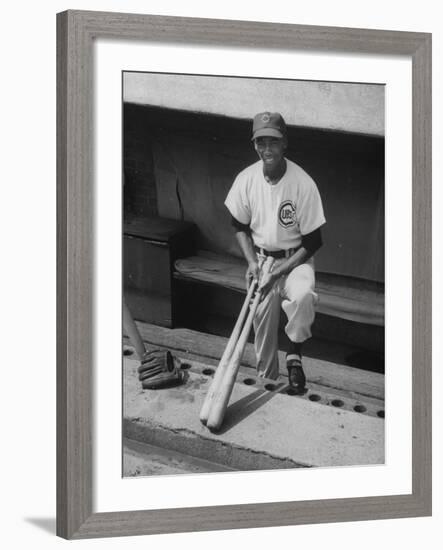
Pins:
<point x="277" y="254"/>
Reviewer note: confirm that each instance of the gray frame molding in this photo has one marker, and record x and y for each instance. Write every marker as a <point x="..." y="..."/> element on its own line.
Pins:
<point x="76" y="31"/>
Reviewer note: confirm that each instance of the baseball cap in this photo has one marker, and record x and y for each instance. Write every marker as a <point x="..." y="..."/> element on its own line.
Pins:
<point x="268" y="124"/>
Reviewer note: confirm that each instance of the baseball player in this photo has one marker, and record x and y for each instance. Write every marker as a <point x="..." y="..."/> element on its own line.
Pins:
<point x="276" y="210"/>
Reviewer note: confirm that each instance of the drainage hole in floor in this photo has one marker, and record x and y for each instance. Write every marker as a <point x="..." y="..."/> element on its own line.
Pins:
<point x="249" y="381"/>
<point x="128" y="351"/>
<point x="381" y="414"/>
<point x="337" y="403"/>
<point x="359" y="409"/>
<point x="270" y="387"/>
<point x="314" y="397"/>
<point x="208" y="372"/>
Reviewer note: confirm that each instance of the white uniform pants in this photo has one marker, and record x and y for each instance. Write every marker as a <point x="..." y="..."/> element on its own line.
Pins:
<point x="295" y="294"/>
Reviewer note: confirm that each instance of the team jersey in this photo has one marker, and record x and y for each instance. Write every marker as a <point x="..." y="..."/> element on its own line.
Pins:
<point x="279" y="214"/>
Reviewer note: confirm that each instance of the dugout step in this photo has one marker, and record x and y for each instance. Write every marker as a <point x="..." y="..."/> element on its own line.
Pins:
<point x="325" y="371"/>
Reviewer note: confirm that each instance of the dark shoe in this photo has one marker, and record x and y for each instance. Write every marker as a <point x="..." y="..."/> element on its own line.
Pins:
<point x="296" y="376"/>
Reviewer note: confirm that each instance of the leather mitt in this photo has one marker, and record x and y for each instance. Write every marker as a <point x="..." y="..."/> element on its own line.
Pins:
<point x="159" y="369"/>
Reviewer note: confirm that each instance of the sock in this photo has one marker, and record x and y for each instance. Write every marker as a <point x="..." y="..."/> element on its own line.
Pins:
<point x="294" y="349"/>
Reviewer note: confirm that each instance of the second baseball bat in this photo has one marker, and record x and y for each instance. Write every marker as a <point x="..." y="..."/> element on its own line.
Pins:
<point x="221" y="398"/>
<point x="224" y="361"/>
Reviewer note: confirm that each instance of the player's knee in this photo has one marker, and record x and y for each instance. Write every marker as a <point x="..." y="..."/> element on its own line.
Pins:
<point x="304" y="295"/>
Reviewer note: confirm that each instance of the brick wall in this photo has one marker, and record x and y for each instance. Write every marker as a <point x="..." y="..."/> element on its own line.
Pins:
<point x="140" y="196"/>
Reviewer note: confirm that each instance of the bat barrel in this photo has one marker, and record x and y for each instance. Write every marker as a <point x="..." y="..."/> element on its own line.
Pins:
<point x="221" y="399"/>
<point x="224" y="361"/>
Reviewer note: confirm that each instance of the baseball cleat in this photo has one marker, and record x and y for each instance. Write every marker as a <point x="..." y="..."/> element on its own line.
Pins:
<point x="296" y="375"/>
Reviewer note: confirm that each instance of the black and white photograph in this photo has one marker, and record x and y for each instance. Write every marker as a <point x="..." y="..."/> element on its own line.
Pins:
<point x="222" y="262"/>
<point x="253" y="274"/>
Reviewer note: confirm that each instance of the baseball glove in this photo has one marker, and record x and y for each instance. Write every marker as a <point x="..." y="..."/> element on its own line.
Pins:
<point x="158" y="369"/>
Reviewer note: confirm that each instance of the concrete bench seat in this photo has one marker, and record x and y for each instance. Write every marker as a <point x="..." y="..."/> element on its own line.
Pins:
<point x="344" y="297"/>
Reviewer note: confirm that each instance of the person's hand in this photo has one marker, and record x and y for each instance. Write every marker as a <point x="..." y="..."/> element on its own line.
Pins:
<point x="252" y="273"/>
<point x="266" y="283"/>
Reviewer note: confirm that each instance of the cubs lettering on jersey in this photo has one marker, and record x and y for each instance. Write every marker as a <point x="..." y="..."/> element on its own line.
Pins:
<point x="286" y="214"/>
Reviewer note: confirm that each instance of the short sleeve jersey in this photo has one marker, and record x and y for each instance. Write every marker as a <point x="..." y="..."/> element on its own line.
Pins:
<point x="278" y="214"/>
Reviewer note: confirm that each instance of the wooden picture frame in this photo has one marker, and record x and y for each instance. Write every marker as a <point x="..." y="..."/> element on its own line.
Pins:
<point x="76" y="31"/>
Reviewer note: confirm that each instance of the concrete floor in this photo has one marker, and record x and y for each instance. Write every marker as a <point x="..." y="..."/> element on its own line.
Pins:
<point x="262" y="429"/>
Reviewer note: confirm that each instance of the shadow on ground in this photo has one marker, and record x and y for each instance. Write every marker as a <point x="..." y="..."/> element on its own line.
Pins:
<point x="46" y="524"/>
<point x="245" y="406"/>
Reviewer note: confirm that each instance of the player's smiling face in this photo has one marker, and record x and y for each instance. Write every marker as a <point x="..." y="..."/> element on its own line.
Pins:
<point x="271" y="150"/>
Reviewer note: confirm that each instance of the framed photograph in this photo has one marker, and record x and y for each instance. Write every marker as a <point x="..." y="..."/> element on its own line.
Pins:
<point x="193" y="152"/>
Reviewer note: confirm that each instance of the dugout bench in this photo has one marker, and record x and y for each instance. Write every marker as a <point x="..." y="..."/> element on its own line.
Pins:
<point x="168" y="282"/>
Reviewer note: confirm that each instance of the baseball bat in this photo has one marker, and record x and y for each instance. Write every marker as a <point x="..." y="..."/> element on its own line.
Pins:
<point x="131" y="330"/>
<point x="230" y="346"/>
<point x="221" y="398"/>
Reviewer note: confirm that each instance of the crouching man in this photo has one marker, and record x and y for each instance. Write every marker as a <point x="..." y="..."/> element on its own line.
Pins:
<point x="277" y="211"/>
